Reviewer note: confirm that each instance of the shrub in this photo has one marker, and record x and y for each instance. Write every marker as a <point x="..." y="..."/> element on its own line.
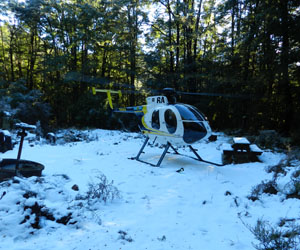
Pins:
<point x="103" y="190"/>
<point x="292" y="188"/>
<point x="269" y="187"/>
<point x="24" y="104"/>
<point x="278" y="169"/>
<point x="286" y="237"/>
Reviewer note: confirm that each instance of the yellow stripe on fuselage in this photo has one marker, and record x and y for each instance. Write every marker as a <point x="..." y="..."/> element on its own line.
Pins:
<point x="151" y="130"/>
<point x="157" y="132"/>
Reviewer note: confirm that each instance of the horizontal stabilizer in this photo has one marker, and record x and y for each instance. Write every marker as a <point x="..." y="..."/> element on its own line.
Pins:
<point x="109" y="92"/>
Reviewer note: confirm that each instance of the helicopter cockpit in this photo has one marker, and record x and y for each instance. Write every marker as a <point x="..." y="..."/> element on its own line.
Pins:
<point x="195" y="124"/>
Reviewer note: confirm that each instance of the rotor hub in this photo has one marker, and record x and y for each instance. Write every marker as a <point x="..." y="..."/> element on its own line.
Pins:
<point x="171" y="95"/>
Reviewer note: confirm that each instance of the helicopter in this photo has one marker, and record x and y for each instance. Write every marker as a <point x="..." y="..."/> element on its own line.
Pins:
<point x="164" y="120"/>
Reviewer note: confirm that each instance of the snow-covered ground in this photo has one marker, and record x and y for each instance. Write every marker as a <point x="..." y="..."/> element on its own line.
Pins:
<point x="202" y="207"/>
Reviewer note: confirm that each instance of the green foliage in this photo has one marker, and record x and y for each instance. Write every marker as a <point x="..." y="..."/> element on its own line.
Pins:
<point x="25" y="105"/>
<point x="244" y="47"/>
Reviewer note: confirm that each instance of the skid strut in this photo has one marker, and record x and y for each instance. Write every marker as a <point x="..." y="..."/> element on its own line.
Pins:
<point x="200" y="159"/>
<point x="166" y="148"/>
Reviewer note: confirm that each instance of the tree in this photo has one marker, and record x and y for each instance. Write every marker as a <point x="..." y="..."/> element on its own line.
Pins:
<point x="248" y="47"/>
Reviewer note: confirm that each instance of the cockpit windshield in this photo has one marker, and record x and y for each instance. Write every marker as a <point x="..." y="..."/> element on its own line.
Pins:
<point x="194" y="129"/>
<point x="189" y="113"/>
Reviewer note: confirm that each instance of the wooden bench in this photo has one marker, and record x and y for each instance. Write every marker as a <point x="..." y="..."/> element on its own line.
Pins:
<point x="241" y="151"/>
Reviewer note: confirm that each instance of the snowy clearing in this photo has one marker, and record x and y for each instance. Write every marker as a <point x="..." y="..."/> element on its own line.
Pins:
<point x="202" y="207"/>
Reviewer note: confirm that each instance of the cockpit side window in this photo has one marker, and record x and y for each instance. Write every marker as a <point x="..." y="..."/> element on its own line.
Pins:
<point x="171" y="121"/>
<point x="155" y="119"/>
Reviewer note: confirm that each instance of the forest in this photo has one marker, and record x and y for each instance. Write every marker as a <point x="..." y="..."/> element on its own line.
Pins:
<point x="238" y="61"/>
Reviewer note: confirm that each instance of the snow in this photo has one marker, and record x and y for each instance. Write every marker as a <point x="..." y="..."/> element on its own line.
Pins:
<point x="202" y="207"/>
<point x="255" y="148"/>
<point x="240" y="140"/>
<point x="6" y="113"/>
<point x="5" y="132"/>
<point x="25" y="125"/>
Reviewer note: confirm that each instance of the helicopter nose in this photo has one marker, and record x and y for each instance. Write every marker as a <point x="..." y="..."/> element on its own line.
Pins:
<point x="195" y="131"/>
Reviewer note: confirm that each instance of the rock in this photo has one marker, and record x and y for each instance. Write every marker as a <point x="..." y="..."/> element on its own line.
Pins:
<point x="75" y="187"/>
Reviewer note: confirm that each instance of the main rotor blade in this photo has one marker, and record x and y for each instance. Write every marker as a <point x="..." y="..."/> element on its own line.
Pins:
<point x="237" y="96"/>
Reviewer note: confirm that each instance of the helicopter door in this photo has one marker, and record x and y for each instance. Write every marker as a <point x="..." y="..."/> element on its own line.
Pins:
<point x="171" y="121"/>
<point x="155" y="123"/>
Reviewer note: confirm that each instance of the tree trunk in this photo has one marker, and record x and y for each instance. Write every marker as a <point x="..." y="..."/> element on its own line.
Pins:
<point x="177" y="38"/>
<point x="133" y="26"/>
<point x="197" y="30"/>
<point x="3" y="55"/>
<point x="32" y="53"/>
<point x="284" y="84"/>
<point x="233" y="11"/>
<point x="11" y="56"/>
<point x="171" y="69"/>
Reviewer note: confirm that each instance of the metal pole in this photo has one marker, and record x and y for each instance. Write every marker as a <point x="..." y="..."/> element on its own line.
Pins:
<point x="22" y="134"/>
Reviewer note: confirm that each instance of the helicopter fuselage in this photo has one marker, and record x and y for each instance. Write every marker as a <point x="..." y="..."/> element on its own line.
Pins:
<point x="179" y="124"/>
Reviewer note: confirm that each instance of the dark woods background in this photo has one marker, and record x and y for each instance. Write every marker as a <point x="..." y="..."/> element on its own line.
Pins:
<point x="52" y="51"/>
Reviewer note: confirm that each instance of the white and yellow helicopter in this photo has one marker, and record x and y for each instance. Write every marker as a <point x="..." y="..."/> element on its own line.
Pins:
<point x="167" y="122"/>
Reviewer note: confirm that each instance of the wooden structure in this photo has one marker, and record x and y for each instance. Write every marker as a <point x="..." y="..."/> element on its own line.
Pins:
<point x="241" y="151"/>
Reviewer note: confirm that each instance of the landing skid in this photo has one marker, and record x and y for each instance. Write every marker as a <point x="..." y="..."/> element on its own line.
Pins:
<point x="166" y="148"/>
